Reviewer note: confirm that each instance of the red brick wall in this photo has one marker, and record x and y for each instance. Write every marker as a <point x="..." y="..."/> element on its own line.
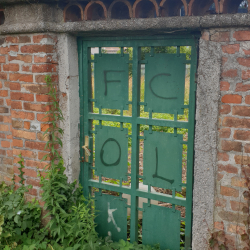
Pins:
<point x="234" y="132"/>
<point x="24" y="62"/>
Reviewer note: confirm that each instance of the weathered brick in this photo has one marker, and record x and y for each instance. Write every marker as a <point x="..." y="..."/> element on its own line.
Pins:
<point x="42" y="98"/>
<point x="247" y="99"/>
<point x="35" y="183"/>
<point x="26" y="68"/>
<point x="42" y="137"/>
<point x="225" y="109"/>
<point x="9" y="137"/>
<point x="41" y="78"/>
<point x="220" y="37"/>
<point x="17" y="39"/>
<point x="220" y="176"/>
<point x="220" y="202"/>
<point x="231" y="73"/>
<point x="231" y="146"/>
<point x="4" y="93"/>
<point x="34" y="107"/>
<point x="23" y="58"/>
<point x="247" y="148"/>
<point x="41" y="155"/>
<point x="36" y="164"/>
<point x="11" y="67"/>
<point x="244" y="61"/>
<point x="242" y="160"/>
<point x="231" y="98"/>
<point x="44" y="68"/>
<point x="219" y="225"/>
<point x="225" y="132"/>
<point x="32" y="191"/>
<point x="238" y="182"/>
<point x="4" y="127"/>
<point x="22" y="115"/>
<point x="227" y="191"/>
<point x="26" y="125"/>
<point x="36" y="88"/>
<point x="6" y="50"/>
<point x="4" y="110"/>
<point x="35" y="145"/>
<point x="228" y="168"/>
<point x="37" y="48"/>
<point x="38" y="38"/>
<point x="242" y="35"/>
<point x="44" y="127"/>
<point x="17" y="143"/>
<point x="236" y="122"/>
<point x="25" y="153"/>
<point x="2" y="59"/>
<point x="28" y="172"/>
<point x="21" y="77"/>
<point x="10" y="169"/>
<point x="24" y="134"/>
<point x="16" y="105"/>
<point x="223" y="156"/>
<point x="246" y="169"/>
<point x="236" y="229"/>
<point x="230" y="48"/>
<point x="242" y="135"/>
<point x="8" y="161"/>
<point x="224" y="86"/>
<point x="3" y="76"/>
<point x="14" y="86"/>
<point x="205" y="35"/>
<point x="22" y="96"/>
<point x="245" y="74"/>
<point x="7" y="119"/>
<point x="2" y="152"/>
<point x="5" y="144"/>
<point x="9" y="153"/>
<point x="242" y="87"/>
<point x="241" y="110"/>
<point x="45" y="59"/>
<point x="8" y="102"/>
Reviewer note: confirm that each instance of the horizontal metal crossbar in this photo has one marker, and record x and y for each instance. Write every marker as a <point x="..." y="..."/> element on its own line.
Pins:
<point x="139" y="120"/>
<point x="140" y="193"/>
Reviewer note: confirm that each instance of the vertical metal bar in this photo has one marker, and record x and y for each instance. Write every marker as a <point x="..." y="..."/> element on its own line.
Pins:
<point x="80" y="58"/>
<point x="135" y="145"/>
<point x="190" y="150"/>
<point x="86" y="71"/>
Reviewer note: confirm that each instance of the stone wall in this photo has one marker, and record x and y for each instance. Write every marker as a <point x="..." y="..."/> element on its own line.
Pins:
<point x="24" y="62"/>
<point x="233" y="148"/>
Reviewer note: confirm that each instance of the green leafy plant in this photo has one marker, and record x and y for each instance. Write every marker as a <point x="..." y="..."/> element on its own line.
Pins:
<point x="71" y="217"/>
<point x="17" y="217"/>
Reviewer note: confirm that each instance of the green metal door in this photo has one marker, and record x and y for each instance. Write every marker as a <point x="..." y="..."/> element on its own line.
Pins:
<point x="137" y="132"/>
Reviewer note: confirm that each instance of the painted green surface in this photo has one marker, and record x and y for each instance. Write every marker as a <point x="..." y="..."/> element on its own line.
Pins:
<point x="111" y="216"/>
<point x="170" y="144"/>
<point x="111" y="152"/>
<point x="161" y="225"/>
<point x="165" y="83"/>
<point x="111" y="81"/>
<point x="162" y="160"/>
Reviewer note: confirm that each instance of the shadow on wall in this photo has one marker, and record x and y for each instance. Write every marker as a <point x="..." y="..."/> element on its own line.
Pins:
<point x="2" y="17"/>
<point x="127" y="9"/>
